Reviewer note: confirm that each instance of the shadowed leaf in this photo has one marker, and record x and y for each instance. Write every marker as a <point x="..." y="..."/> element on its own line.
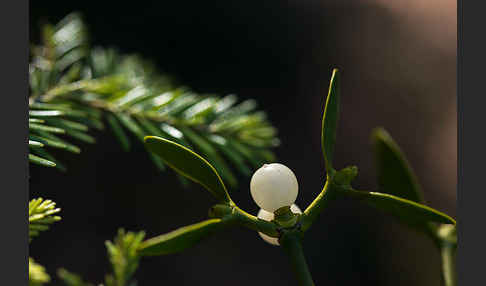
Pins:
<point x="180" y="239"/>
<point x="41" y="161"/>
<point x="330" y="119"/>
<point x="189" y="164"/>
<point x="395" y="176"/>
<point x="407" y="211"/>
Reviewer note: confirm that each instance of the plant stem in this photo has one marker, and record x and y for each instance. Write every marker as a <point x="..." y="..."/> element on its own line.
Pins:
<point x="447" y="252"/>
<point x="445" y="238"/>
<point x="291" y="244"/>
<point x="252" y="222"/>
<point x="319" y="204"/>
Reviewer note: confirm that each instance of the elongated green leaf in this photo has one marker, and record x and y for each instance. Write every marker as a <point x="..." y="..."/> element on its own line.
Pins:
<point x="35" y="126"/>
<point x="395" y="176"/>
<point x="247" y="152"/>
<point x="134" y="127"/>
<point x="212" y="155"/>
<point x="41" y="152"/>
<point x="157" y="161"/>
<point x="35" y="144"/>
<point x="66" y="124"/>
<point x="41" y="161"/>
<point x="71" y="279"/>
<point x="54" y="109"/>
<point x="407" y="211"/>
<point x="330" y="120"/>
<point x="52" y="140"/>
<point x="189" y="164"/>
<point x="131" y="125"/>
<point x="179" y="239"/>
<point x="235" y="157"/>
<point x="92" y="122"/>
<point x="36" y="120"/>
<point x="81" y="136"/>
<point x="45" y="113"/>
<point x="119" y="133"/>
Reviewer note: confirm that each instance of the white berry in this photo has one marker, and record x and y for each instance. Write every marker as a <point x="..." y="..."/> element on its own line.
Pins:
<point x="274" y="186"/>
<point x="268" y="216"/>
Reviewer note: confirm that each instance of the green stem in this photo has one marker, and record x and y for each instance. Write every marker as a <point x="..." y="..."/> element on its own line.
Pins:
<point x="447" y="252"/>
<point x="252" y="222"/>
<point x="445" y="238"/>
<point x="291" y="244"/>
<point x="316" y="207"/>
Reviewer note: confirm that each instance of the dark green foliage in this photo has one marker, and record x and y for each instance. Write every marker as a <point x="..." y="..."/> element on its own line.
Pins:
<point x="330" y="120"/>
<point x="180" y="239"/>
<point x="395" y="176"/>
<point x="71" y="279"/>
<point x="124" y="260"/>
<point x="41" y="215"/>
<point x="37" y="274"/>
<point x="124" y="257"/>
<point x="189" y="164"/>
<point x="408" y="211"/>
<point x="75" y="88"/>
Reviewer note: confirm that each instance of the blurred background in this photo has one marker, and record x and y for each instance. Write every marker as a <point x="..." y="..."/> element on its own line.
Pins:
<point x="398" y="63"/>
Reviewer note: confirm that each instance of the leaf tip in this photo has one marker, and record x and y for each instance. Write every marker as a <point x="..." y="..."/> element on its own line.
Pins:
<point x="379" y="133"/>
<point x="151" y="138"/>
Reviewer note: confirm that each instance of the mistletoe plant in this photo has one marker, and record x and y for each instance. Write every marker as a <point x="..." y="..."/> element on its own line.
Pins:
<point x="274" y="188"/>
<point x="75" y="89"/>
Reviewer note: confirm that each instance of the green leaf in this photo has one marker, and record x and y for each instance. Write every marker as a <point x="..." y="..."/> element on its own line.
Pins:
<point x="35" y="144"/>
<point x="51" y="140"/>
<point x="41" y="215"/>
<point x="48" y="142"/>
<point x="188" y="164"/>
<point x="71" y="279"/>
<point x="212" y="155"/>
<point x="407" y="211"/>
<point x="65" y="109"/>
<point x="179" y="239"/>
<point x="330" y="120"/>
<point x="45" y="113"/>
<point x="235" y="157"/>
<point x="395" y="176"/>
<point x="41" y="161"/>
<point x="45" y="155"/>
<point x="37" y="274"/>
<point x="66" y="124"/>
<point x="119" y="133"/>
<point x="131" y="125"/>
<point x="247" y="152"/>
<point x="36" y="120"/>
<point x="81" y="136"/>
<point x="124" y="257"/>
<point x="35" y="126"/>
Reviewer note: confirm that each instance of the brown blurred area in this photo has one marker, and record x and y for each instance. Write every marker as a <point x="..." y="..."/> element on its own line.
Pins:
<point x="398" y="64"/>
<point x="398" y="61"/>
<point x="399" y="71"/>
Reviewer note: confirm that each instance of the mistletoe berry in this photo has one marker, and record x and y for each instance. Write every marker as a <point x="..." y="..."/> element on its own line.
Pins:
<point x="268" y="216"/>
<point x="274" y="186"/>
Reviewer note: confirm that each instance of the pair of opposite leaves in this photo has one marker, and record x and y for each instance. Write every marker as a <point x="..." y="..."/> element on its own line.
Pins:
<point x="401" y="195"/>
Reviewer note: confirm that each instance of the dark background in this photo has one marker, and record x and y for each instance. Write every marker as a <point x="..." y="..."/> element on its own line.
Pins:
<point x="398" y="65"/>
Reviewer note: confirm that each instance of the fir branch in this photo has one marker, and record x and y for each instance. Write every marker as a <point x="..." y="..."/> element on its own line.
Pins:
<point x="37" y="274"/>
<point x="71" y="279"/>
<point x="123" y="256"/>
<point x="124" y="259"/>
<point x="75" y="87"/>
<point x="41" y="215"/>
